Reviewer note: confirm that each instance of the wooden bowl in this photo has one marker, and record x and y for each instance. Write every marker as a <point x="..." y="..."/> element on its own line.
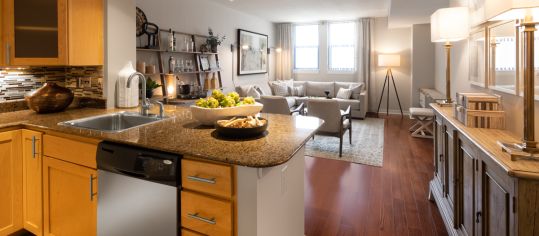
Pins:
<point x="208" y="116"/>
<point x="49" y="98"/>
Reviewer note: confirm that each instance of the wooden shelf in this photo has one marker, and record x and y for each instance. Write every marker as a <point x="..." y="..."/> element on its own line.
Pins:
<point x="183" y="52"/>
<point x="194" y="72"/>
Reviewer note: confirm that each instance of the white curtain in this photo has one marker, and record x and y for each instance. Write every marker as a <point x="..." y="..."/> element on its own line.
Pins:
<point x="284" y="58"/>
<point x="365" y="51"/>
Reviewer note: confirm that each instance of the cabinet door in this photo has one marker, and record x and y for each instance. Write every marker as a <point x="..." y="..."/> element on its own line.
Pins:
<point x="494" y="217"/>
<point x="32" y="182"/>
<point x="451" y="179"/>
<point x="36" y="32"/>
<point x="3" y="44"/>
<point x="70" y="198"/>
<point x="439" y="169"/>
<point x="11" y="182"/>
<point x="467" y="211"/>
<point x="85" y="27"/>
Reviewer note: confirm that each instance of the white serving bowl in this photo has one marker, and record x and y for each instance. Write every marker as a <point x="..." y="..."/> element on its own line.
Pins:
<point x="208" y="116"/>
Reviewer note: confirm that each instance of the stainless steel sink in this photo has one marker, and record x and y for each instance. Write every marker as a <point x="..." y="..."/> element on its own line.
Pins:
<point x="114" y="122"/>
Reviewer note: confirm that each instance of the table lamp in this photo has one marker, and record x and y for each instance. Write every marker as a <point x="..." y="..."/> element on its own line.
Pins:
<point x="389" y="60"/>
<point x="527" y="15"/>
<point x="449" y="25"/>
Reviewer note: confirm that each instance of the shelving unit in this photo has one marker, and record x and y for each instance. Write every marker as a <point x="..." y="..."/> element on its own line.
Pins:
<point x="160" y="52"/>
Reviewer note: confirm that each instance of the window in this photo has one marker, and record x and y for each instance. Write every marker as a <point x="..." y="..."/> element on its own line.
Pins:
<point x="306" y="47"/>
<point x="342" y="47"/>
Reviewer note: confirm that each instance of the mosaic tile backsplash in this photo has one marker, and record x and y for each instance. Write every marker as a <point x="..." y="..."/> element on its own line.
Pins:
<point x="83" y="81"/>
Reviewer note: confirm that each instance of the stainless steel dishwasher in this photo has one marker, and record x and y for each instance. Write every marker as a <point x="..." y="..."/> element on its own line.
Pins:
<point x="138" y="191"/>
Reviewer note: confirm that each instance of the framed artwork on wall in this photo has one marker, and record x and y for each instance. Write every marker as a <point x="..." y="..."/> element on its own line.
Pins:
<point x="204" y="63"/>
<point x="252" y="53"/>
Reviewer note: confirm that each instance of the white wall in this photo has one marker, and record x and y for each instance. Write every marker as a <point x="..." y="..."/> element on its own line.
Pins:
<point x="119" y="43"/>
<point x="422" y="61"/>
<point x="195" y="16"/>
<point x="391" y="41"/>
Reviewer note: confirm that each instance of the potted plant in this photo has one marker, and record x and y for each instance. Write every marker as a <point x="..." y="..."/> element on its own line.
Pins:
<point x="150" y="86"/>
<point x="214" y="40"/>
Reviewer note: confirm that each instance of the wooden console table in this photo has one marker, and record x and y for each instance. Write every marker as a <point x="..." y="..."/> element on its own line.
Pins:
<point x="478" y="189"/>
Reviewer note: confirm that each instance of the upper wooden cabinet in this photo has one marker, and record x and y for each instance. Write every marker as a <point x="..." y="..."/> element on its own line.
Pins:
<point x="11" y="182"/>
<point x="53" y="32"/>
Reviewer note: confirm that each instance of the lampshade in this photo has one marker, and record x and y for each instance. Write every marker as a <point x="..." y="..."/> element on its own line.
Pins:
<point x="511" y="9"/>
<point x="389" y="60"/>
<point x="449" y="24"/>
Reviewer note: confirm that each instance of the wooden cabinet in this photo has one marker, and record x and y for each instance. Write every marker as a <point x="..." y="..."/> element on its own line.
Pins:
<point x="32" y="181"/>
<point x="495" y="215"/>
<point x="467" y="158"/>
<point x="70" y="198"/>
<point x="451" y="179"/>
<point x="11" y="219"/>
<point x="53" y="32"/>
<point x="2" y="35"/>
<point x="207" y="198"/>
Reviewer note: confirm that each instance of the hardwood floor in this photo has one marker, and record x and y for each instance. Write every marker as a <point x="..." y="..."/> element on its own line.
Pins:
<point x="343" y="198"/>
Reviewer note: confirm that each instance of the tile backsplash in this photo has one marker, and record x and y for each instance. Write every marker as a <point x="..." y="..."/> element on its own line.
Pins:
<point x="83" y="81"/>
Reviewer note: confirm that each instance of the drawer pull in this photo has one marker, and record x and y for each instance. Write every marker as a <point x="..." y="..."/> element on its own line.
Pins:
<point x="203" y="180"/>
<point x="197" y="217"/>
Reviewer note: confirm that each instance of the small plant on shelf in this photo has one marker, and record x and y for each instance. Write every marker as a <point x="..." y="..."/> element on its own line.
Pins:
<point x="214" y="40"/>
<point x="150" y="86"/>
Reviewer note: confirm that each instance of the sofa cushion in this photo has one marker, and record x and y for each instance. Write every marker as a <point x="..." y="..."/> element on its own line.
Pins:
<point x="300" y="83"/>
<point x="356" y="88"/>
<point x="297" y="91"/>
<point x="344" y="103"/>
<point x="344" y="93"/>
<point x="291" y="101"/>
<point x="316" y="89"/>
<point x="277" y="87"/>
<point x="248" y="91"/>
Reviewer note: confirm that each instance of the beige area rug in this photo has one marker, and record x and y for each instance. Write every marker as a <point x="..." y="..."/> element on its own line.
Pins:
<point x="367" y="144"/>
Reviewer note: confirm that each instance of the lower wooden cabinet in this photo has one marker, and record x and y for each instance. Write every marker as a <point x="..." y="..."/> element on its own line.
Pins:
<point x="70" y="198"/>
<point x="32" y="181"/>
<point x="11" y="219"/>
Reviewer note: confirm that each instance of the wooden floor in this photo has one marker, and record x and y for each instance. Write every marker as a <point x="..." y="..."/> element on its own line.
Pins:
<point x="343" y="198"/>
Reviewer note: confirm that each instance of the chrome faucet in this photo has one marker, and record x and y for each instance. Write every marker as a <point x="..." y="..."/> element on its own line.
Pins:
<point x="145" y="106"/>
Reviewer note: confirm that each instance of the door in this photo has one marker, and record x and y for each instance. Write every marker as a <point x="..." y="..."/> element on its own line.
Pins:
<point x="451" y="179"/>
<point x="70" y="197"/>
<point x="11" y="182"/>
<point x="495" y="218"/>
<point x="85" y="27"/>
<point x="467" y="207"/>
<point x="36" y="32"/>
<point x="32" y="181"/>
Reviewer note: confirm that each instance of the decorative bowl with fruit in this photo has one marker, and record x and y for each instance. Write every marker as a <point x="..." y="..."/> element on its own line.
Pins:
<point x="220" y="106"/>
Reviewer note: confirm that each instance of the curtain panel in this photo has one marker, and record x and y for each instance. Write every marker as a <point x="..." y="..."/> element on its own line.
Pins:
<point x="365" y="52"/>
<point x="284" y="58"/>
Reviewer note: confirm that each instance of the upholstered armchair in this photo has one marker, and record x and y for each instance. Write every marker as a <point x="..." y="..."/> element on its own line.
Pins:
<point x="336" y="121"/>
<point x="279" y="105"/>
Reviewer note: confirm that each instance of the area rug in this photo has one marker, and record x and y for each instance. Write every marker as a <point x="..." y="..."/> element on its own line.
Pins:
<point x="367" y="144"/>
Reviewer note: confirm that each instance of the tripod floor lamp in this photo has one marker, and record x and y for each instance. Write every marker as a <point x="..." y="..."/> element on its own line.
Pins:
<point x="389" y="60"/>
<point x="449" y="25"/>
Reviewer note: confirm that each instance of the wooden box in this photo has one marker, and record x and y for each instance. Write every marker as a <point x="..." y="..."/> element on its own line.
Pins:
<point x="479" y="101"/>
<point x="490" y="119"/>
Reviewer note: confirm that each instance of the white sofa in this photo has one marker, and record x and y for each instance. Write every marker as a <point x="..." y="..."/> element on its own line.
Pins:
<point x="357" y="101"/>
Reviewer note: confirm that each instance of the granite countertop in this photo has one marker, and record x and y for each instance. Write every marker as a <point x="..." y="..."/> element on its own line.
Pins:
<point x="181" y="134"/>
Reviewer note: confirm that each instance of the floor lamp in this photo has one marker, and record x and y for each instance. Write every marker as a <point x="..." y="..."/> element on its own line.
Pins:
<point x="527" y="19"/>
<point x="449" y="25"/>
<point x="389" y="60"/>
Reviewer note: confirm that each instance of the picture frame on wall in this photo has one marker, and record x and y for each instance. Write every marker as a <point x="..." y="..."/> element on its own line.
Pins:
<point x="252" y="53"/>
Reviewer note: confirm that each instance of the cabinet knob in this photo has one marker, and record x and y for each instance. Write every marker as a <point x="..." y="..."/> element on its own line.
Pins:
<point x="477" y="217"/>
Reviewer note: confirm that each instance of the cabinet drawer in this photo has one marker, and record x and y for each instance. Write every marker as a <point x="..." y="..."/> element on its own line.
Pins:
<point x="69" y="150"/>
<point x="205" y="214"/>
<point x="185" y="232"/>
<point x="206" y="177"/>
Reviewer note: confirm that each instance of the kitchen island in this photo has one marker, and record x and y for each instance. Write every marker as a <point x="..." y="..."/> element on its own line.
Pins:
<point x="265" y="194"/>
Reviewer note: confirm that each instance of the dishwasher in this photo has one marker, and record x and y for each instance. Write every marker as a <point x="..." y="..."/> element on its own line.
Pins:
<point x="138" y="191"/>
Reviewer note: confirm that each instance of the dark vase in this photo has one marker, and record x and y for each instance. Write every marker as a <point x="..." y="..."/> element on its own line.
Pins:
<point x="149" y="93"/>
<point x="49" y="98"/>
<point x="214" y="48"/>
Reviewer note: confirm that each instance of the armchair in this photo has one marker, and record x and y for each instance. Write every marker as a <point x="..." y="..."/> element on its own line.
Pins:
<point x="279" y="105"/>
<point x="336" y="120"/>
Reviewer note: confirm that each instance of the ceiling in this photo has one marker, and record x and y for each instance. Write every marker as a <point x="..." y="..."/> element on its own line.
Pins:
<point x="310" y="10"/>
<point x="403" y="13"/>
<point x="400" y="13"/>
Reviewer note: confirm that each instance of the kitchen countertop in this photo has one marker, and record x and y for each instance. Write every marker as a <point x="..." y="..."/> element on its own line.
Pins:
<point x="181" y="134"/>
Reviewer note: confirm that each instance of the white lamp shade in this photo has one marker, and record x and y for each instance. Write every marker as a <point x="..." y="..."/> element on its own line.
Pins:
<point x="449" y="24"/>
<point x="389" y="60"/>
<point x="511" y="9"/>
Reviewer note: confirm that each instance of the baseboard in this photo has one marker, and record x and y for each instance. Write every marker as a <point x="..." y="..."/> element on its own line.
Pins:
<point x="443" y="206"/>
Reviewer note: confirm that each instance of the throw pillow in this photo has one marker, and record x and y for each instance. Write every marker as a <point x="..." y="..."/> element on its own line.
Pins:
<point x="280" y="89"/>
<point x="244" y="89"/>
<point x="344" y="93"/>
<point x="252" y="92"/>
<point x="259" y="90"/>
<point x="298" y="91"/>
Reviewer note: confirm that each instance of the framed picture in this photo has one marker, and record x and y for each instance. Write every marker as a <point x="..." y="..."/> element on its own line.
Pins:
<point x="252" y="53"/>
<point x="204" y="63"/>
